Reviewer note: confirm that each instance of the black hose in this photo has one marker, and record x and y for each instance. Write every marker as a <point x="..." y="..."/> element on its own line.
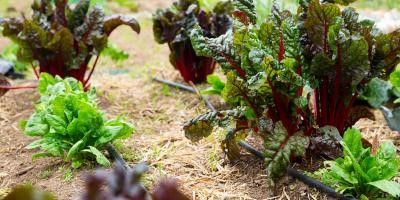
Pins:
<point x="116" y="156"/>
<point x="296" y="174"/>
<point x="176" y="85"/>
<point x="186" y="88"/>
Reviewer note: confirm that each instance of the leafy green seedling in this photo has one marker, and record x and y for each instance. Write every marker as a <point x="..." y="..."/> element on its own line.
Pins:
<point x="69" y="124"/>
<point x="216" y="85"/>
<point x="364" y="173"/>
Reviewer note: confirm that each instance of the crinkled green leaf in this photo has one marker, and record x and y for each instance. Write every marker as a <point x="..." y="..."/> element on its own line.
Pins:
<point x="377" y="92"/>
<point x="248" y="7"/>
<point x="56" y="123"/>
<point x="36" y="125"/>
<point x="280" y="147"/>
<point x="77" y="15"/>
<point x="200" y="127"/>
<point x="342" y="2"/>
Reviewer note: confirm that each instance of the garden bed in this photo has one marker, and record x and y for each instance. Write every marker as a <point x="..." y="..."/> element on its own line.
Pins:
<point x="158" y="113"/>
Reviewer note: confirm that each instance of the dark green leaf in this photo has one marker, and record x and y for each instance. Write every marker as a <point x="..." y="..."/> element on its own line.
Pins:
<point x="377" y="92"/>
<point x="114" y="21"/>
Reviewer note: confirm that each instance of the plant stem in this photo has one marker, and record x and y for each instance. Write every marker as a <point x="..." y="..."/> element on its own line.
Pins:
<point x="5" y="87"/>
<point x="92" y="70"/>
<point x="35" y="71"/>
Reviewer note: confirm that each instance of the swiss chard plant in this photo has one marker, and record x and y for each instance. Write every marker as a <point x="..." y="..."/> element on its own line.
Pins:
<point x="342" y="53"/>
<point x="69" y="124"/>
<point x="63" y="40"/>
<point x="264" y="86"/>
<point x="173" y="25"/>
<point x="291" y="76"/>
<point x="363" y="173"/>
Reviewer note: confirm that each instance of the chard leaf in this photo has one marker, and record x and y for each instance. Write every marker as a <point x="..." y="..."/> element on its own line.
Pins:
<point x="391" y="187"/>
<point x="200" y="127"/>
<point x="247" y="7"/>
<point x="233" y="90"/>
<point x="319" y="18"/>
<point x="77" y="16"/>
<point x="114" y="21"/>
<point x="387" y="52"/>
<point x="342" y="2"/>
<point x="61" y="43"/>
<point x="100" y="158"/>
<point x="280" y="147"/>
<point x="376" y="92"/>
<point x="219" y="48"/>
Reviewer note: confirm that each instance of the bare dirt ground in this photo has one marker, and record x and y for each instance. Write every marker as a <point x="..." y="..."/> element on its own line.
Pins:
<point x="158" y="113"/>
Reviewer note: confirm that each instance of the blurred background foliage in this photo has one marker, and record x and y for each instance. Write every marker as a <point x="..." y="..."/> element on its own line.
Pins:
<point x="382" y="10"/>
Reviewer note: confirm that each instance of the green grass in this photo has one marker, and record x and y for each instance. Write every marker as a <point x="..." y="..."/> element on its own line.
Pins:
<point x="67" y="173"/>
<point x="45" y="174"/>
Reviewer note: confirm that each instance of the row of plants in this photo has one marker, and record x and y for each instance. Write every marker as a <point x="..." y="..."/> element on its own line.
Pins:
<point x="294" y="80"/>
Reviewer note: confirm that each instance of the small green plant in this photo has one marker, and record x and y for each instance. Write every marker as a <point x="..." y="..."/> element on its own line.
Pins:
<point x="115" y="53"/>
<point x="45" y="174"/>
<point x="69" y="124"/>
<point x="67" y="173"/>
<point x="364" y="173"/>
<point x="217" y="85"/>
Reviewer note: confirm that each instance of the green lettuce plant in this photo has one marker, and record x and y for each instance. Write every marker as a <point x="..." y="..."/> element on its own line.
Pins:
<point x="363" y="173"/>
<point x="62" y="39"/>
<point x="69" y="124"/>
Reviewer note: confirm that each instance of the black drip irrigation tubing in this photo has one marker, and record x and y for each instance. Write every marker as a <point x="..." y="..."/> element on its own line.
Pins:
<point x="186" y="88"/>
<point x="116" y="156"/>
<point x="296" y="174"/>
<point x="290" y="171"/>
